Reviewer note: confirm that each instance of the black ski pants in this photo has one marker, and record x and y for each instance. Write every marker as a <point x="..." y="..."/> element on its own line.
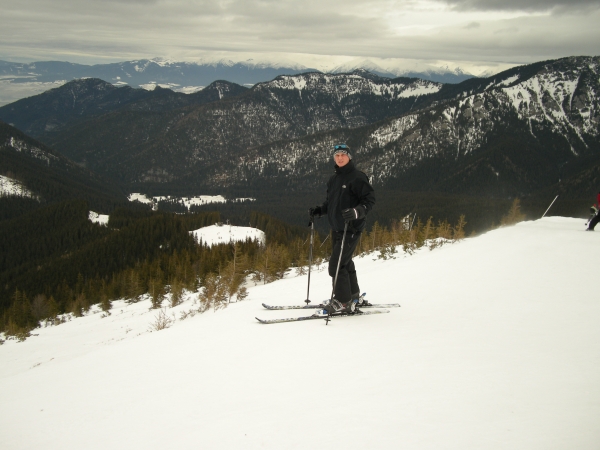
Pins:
<point x="594" y="221"/>
<point x="347" y="283"/>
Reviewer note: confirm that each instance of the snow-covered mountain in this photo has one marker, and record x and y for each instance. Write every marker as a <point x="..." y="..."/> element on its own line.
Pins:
<point x="393" y="68"/>
<point x="359" y="82"/>
<point x="482" y="135"/>
<point x="501" y="351"/>
<point x="184" y="139"/>
<point x="19" y="80"/>
<point x="517" y="133"/>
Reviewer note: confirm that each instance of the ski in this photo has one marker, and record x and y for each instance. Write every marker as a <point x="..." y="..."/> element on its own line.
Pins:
<point x="321" y="316"/>
<point x="321" y="306"/>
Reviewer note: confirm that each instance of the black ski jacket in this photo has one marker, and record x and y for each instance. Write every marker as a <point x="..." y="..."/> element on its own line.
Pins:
<point x="348" y="188"/>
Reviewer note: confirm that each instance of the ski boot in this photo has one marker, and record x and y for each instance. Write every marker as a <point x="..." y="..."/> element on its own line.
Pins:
<point x="337" y="307"/>
<point x="360" y="300"/>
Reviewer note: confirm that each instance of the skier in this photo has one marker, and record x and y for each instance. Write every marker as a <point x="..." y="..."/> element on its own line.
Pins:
<point x="596" y="218"/>
<point x="350" y="197"/>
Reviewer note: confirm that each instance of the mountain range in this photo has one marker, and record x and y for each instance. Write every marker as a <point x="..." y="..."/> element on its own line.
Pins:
<point x="529" y="132"/>
<point x="20" y="80"/>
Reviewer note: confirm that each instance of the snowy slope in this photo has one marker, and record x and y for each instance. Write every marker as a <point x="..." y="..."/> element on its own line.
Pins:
<point x="496" y="346"/>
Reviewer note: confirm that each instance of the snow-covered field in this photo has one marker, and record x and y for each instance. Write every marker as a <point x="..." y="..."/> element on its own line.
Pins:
<point x="224" y="234"/>
<point x="496" y="346"/>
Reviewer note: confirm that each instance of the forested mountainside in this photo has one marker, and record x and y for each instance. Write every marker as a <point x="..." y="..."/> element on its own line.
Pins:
<point x="48" y="177"/>
<point x="56" y="260"/>
<point x="48" y="113"/>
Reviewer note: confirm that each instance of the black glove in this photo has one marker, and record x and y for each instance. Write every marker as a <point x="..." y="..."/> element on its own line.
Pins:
<point x="354" y="213"/>
<point x="316" y="211"/>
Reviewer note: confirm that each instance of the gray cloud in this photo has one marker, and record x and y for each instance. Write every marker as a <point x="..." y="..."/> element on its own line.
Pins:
<point x="93" y="30"/>
<point x="523" y="5"/>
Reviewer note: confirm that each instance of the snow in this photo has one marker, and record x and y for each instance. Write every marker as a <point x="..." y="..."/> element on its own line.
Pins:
<point x="102" y="219"/>
<point x="509" y="80"/>
<point x="188" y="89"/>
<point x="224" y="234"/>
<point x="203" y="200"/>
<point x="10" y="187"/>
<point x="496" y="346"/>
<point x="420" y="88"/>
<point x="35" y="152"/>
<point x="185" y="201"/>
<point x="353" y="84"/>
<point x="394" y="130"/>
<point x="152" y="85"/>
<point x="137" y="197"/>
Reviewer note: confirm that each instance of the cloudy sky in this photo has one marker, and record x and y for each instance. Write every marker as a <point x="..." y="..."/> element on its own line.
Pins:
<point x="316" y="33"/>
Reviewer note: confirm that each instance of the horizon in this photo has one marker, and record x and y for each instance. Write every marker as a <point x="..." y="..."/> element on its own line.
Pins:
<point x="326" y="64"/>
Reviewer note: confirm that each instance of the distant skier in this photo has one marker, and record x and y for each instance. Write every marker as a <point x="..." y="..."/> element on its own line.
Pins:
<point x="350" y="197"/>
<point x="596" y="218"/>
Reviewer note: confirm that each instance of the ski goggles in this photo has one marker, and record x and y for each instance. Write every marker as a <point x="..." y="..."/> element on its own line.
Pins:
<point x="342" y="148"/>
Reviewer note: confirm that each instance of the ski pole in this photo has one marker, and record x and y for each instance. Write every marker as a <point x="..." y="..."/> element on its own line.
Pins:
<point x="310" y="255"/>
<point x="337" y="271"/>
<point x="550" y="206"/>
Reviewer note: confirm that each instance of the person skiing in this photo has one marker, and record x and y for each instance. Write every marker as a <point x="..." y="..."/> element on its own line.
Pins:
<point x="596" y="218"/>
<point x="350" y="197"/>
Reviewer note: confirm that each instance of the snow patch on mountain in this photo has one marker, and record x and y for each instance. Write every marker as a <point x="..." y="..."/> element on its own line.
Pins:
<point x="394" y="130"/>
<point x="21" y="146"/>
<point x="101" y="219"/>
<point x="225" y="234"/>
<point x="352" y="84"/>
<point x="152" y="86"/>
<point x="509" y="80"/>
<point x="10" y="187"/>
<point x="551" y="97"/>
<point x="420" y="87"/>
<point x="188" y="202"/>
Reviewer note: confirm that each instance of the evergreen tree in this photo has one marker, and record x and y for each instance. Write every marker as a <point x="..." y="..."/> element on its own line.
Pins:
<point x="156" y="288"/>
<point x="176" y="292"/>
<point x="133" y="286"/>
<point x="105" y="303"/>
<point x="514" y="214"/>
<point x="213" y="294"/>
<point x="19" y="318"/>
